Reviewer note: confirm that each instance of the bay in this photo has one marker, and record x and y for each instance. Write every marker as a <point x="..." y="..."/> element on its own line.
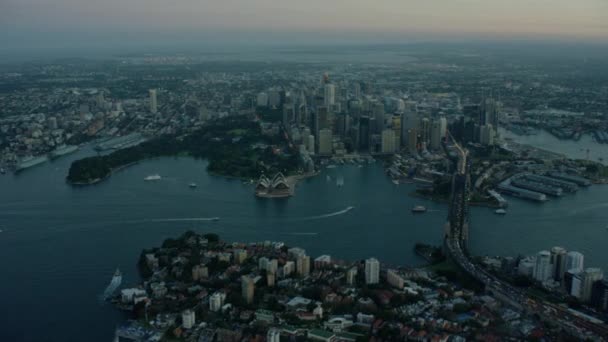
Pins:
<point x="60" y="244"/>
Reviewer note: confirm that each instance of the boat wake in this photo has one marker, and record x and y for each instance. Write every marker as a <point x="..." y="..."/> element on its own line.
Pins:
<point x="113" y="286"/>
<point x="337" y="213"/>
<point x="187" y="219"/>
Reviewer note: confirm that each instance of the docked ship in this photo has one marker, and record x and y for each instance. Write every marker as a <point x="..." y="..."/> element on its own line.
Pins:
<point x="155" y="177"/>
<point x="113" y="286"/>
<point x="28" y="162"/>
<point x="419" y="209"/>
<point x="62" y="151"/>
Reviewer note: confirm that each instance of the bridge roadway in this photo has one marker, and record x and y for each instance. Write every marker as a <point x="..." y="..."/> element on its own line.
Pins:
<point x="455" y="246"/>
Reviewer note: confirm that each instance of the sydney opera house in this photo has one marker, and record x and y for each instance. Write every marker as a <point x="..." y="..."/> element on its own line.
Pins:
<point x="278" y="186"/>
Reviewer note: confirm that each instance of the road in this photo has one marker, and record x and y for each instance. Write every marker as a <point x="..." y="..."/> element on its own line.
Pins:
<point x="456" y="243"/>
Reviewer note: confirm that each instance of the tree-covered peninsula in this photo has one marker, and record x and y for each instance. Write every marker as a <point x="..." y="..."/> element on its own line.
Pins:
<point x="234" y="146"/>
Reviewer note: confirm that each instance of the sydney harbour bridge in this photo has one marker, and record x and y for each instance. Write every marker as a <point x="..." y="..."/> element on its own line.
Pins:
<point x="455" y="244"/>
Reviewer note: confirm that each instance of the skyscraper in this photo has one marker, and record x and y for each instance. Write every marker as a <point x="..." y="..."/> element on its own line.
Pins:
<point x="153" y="101"/>
<point x="558" y="260"/>
<point x="388" y="141"/>
<point x="409" y="121"/>
<point x="247" y="289"/>
<point x="372" y="271"/>
<point x="325" y="142"/>
<point x="543" y="268"/>
<point x="330" y="95"/>
<point x="364" y="133"/>
<point x="435" y="135"/>
<point x="378" y="114"/>
<point x="574" y="260"/>
<point x="599" y="295"/>
<point x="590" y="276"/>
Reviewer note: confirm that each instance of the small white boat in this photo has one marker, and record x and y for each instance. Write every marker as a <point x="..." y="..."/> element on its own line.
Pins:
<point x="419" y="209"/>
<point x="331" y="166"/>
<point x="192" y="185"/>
<point x="2" y="170"/>
<point x="155" y="177"/>
<point x="500" y="211"/>
<point x="396" y="182"/>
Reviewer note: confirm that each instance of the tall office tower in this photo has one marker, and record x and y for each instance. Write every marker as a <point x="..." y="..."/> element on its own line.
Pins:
<point x="443" y="127"/>
<point x="303" y="265"/>
<point x="543" y="268"/>
<point x="486" y="135"/>
<point x="325" y="142"/>
<point x="558" y="260"/>
<point x="364" y="133"/>
<point x="262" y="100"/>
<point x="435" y="135"/>
<point x="425" y="131"/>
<point x="378" y="114"/>
<point x="590" y="276"/>
<point x="310" y="143"/>
<point x="388" y="141"/>
<point x="489" y="113"/>
<point x="372" y="271"/>
<point x="302" y="110"/>
<point x="288" y="114"/>
<point x="574" y="261"/>
<point x="412" y="141"/>
<point x="321" y="120"/>
<point x="357" y="90"/>
<point x="247" y="289"/>
<point x="599" y="295"/>
<point x="274" y="98"/>
<point x="409" y="121"/>
<point x="330" y="95"/>
<point x="153" y="101"/>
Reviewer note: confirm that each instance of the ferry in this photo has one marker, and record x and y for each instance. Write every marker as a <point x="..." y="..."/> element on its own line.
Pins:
<point x="500" y="211"/>
<point x="192" y="185"/>
<point x="419" y="209"/>
<point x="155" y="177"/>
<point x="28" y="162"/>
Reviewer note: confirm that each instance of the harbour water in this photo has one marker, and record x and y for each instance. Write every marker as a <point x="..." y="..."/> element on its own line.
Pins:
<point x="60" y="245"/>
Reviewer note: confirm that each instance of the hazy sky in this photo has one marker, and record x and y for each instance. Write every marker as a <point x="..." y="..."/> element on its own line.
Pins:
<point x="489" y="18"/>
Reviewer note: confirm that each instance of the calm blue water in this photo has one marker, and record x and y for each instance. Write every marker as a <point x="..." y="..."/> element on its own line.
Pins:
<point x="60" y="245"/>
